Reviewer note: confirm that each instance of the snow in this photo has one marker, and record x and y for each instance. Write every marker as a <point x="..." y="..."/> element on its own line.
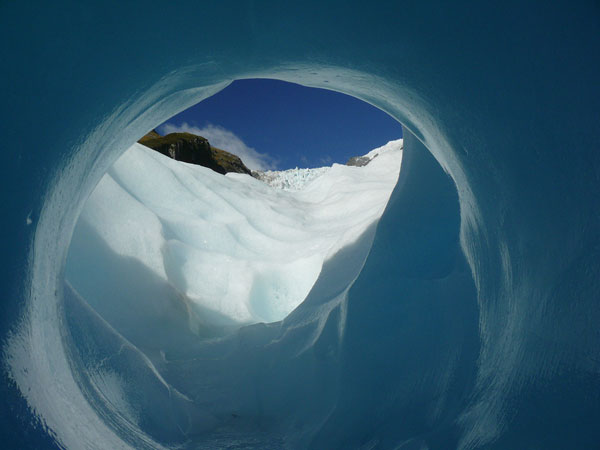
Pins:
<point x="291" y="179"/>
<point x="296" y="179"/>
<point x="232" y="249"/>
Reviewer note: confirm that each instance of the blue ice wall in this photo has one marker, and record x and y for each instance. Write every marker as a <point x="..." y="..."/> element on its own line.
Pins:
<point x="474" y="322"/>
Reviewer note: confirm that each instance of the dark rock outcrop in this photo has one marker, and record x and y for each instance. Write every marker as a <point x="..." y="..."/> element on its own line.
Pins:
<point x="358" y="161"/>
<point x="189" y="148"/>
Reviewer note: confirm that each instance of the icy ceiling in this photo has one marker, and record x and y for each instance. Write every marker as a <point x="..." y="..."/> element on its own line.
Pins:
<point x="473" y="323"/>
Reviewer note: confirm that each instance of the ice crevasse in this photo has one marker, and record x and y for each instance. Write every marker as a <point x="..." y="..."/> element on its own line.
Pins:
<point x="473" y="322"/>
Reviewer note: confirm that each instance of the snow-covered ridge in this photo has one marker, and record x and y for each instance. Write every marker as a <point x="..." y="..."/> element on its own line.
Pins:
<point x="296" y="179"/>
<point x="228" y="249"/>
<point x="291" y="179"/>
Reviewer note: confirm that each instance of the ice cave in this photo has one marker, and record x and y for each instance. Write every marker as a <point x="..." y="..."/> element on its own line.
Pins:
<point x="469" y="321"/>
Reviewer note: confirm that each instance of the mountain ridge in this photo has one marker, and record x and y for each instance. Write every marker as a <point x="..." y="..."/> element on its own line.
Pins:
<point x="194" y="149"/>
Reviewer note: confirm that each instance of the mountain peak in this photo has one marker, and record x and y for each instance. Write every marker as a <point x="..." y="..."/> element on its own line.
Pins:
<point x="193" y="149"/>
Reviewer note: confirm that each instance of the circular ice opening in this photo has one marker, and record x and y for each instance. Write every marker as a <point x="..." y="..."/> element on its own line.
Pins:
<point x="207" y="223"/>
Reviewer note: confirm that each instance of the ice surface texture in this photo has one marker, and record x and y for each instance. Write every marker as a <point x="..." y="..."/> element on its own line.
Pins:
<point x="474" y="322"/>
<point x="230" y="250"/>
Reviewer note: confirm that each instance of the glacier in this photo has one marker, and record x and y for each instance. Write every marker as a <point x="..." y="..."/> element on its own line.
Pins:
<point x="226" y="250"/>
<point x="473" y="321"/>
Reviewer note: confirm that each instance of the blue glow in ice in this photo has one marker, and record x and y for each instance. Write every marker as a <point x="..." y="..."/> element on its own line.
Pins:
<point x="474" y="322"/>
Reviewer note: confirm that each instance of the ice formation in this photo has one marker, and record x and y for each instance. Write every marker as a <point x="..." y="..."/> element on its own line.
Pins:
<point x="296" y="179"/>
<point x="472" y="324"/>
<point x="233" y="249"/>
<point x="291" y="179"/>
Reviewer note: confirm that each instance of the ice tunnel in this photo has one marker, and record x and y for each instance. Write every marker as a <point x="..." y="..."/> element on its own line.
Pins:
<point x="474" y="320"/>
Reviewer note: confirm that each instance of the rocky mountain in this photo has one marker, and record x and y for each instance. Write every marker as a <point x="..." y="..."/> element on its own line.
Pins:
<point x="189" y="148"/>
<point x="358" y="161"/>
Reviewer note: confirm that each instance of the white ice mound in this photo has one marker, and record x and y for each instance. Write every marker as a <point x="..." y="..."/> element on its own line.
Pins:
<point x="235" y="249"/>
<point x="291" y="179"/>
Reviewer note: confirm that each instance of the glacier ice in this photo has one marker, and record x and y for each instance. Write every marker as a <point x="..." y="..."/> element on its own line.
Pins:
<point x="229" y="250"/>
<point x="473" y="322"/>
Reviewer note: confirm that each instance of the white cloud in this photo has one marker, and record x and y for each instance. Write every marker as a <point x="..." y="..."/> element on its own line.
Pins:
<point x="226" y="140"/>
<point x="326" y="161"/>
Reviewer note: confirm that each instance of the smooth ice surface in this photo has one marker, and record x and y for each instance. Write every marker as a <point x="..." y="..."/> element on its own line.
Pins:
<point x="473" y="322"/>
<point x="234" y="250"/>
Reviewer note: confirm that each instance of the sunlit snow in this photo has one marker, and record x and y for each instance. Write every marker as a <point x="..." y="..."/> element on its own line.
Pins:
<point x="235" y="249"/>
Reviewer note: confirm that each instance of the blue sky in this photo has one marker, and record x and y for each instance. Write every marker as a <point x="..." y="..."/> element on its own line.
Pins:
<point x="272" y="124"/>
